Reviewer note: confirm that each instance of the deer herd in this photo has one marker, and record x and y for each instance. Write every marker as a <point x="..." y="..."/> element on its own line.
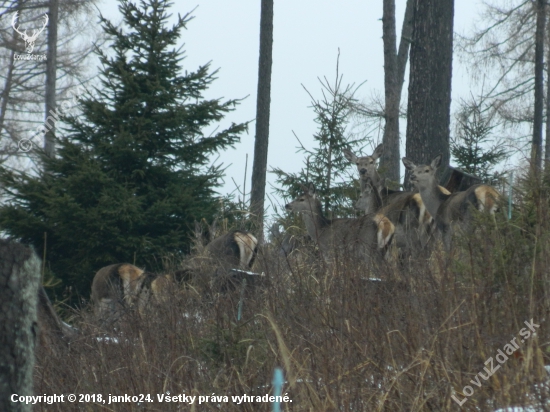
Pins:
<point x="406" y="221"/>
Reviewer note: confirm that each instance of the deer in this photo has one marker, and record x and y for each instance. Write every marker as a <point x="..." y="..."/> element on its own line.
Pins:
<point x="124" y="286"/>
<point x="29" y="40"/>
<point x="450" y="209"/>
<point x="367" y="168"/>
<point x="413" y="223"/>
<point x="236" y="249"/>
<point x="366" y="235"/>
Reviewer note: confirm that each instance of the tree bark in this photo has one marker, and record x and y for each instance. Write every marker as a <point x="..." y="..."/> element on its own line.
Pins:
<point x="404" y="45"/>
<point x="547" y="142"/>
<point x="389" y="162"/>
<point x="51" y="76"/>
<point x="394" y="75"/>
<point x="428" y="110"/>
<point x="19" y="280"/>
<point x="536" y="150"/>
<point x="259" y="168"/>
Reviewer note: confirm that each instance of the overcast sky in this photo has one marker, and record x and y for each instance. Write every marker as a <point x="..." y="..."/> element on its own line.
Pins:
<point x="307" y="36"/>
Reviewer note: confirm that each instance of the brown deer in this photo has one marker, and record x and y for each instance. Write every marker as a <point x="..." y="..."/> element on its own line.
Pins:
<point x="121" y="286"/>
<point x="365" y="236"/>
<point x="236" y="249"/>
<point x="367" y="168"/>
<point x="413" y="223"/>
<point x="449" y="209"/>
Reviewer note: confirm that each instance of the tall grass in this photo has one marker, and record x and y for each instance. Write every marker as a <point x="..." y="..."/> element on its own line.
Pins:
<point x="346" y="342"/>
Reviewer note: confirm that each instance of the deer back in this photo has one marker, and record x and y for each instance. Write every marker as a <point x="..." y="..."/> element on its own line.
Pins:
<point x="457" y="207"/>
<point x="367" y="233"/>
<point x="236" y="249"/>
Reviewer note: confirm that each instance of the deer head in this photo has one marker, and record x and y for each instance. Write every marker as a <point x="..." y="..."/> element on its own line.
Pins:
<point x="366" y="165"/>
<point x="29" y="40"/>
<point x="307" y="202"/>
<point x="423" y="176"/>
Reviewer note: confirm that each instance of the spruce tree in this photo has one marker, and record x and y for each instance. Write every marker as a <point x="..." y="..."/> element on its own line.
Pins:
<point x="475" y="148"/>
<point x="325" y="165"/>
<point x="132" y="171"/>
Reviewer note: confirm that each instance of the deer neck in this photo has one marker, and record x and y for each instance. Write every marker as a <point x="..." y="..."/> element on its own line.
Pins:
<point x="373" y="199"/>
<point x="314" y="221"/>
<point x="432" y="197"/>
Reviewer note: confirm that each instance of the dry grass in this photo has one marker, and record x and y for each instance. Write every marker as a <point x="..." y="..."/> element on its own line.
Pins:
<point x="405" y="343"/>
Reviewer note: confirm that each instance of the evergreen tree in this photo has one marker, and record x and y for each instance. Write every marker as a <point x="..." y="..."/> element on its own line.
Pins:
<point x="474" y="148"/>
<point x="132" y="173"/>
<point x="325" y="165"/>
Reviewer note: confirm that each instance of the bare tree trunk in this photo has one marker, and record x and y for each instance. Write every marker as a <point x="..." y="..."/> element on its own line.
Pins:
<point x="404" y="45"/>
<point x="536" y="150"/>
<point x="389" y="162"/>
<point x="19" y="280"/>
<point x="51" y="76"/>
<point x="428" y="111"/>
<point x="6" y="92"/>
<point x="4" y="96"/>
<point x="259" y="168"/>
<point x="547" y="143"/>
<point x="394" y="74"/>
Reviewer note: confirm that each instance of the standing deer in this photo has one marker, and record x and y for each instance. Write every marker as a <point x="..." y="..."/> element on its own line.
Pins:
<point x="450" y="208"/>
<point x="367" y="168"/>
<point x="122" y="286"/>
<point x="236" y="249"/>
<point x="413" y="223"/>
<point x="365" y="236"/>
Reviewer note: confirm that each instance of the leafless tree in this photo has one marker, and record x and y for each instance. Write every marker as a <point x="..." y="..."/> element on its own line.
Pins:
<point x="536" y="156"/>
<point x="51" y="76"/>
<point x="259" y="168"/>
<point x="508" y="46"/>
<point x="23" y="97"/>
<point x="394" y="75"/>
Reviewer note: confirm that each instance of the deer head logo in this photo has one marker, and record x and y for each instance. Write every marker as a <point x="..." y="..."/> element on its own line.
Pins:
<point x="29" y="40"/>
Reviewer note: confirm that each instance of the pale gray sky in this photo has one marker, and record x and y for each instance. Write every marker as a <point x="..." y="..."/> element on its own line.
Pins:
<point x="307" y="35"/>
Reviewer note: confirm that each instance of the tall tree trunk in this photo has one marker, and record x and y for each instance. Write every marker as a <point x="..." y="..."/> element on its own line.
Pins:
<point x="389" y="162"/>
<point x="547" y="142"/>
<point x="51" y="76"/>
<point x="394" y="74"/>
<point x="19" y="280"/>
<point x="428" y="110"/>
<point x="536" y="150"/>
<point x="404" y="45"/>
<point x="5" y="94"/>
<point x="259" y="168"/>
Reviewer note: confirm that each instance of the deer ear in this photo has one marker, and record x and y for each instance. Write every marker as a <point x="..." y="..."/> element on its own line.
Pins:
<point x="378" y="151"/>
<point x="408" y="163"/>
<point x="437" y="161"/>
<point x="311" y="190"/>
<point x="213" y="229"/>
<point x="349" y="155"/>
